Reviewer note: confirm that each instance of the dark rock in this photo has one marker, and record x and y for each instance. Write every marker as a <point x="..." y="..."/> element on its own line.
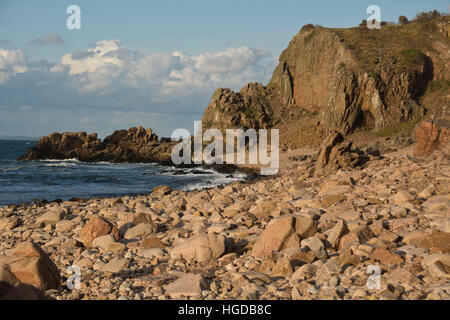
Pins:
<point x="335" y="153"/>
<point x="132" y="145"/>
<point x="21" y="292"/>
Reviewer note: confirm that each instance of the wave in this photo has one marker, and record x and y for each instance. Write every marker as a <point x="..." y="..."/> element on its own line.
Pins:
<point x="61" y="164"/>
<point x="60" y="160"/>
<point x="68" y="178"/>
<point x="11" y="168"/>
<point x="218" y="180"/>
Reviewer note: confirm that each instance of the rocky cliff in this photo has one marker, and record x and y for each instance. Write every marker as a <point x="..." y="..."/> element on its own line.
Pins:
<point x="341" y="79"/>
<point x="132" y="145"/>
<point x="248" y="108"/>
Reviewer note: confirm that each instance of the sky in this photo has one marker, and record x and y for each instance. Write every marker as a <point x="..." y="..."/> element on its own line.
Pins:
<point x="149" y="63"/>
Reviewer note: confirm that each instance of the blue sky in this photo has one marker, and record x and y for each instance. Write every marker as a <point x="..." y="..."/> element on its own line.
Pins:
<point x="190" y="46"/>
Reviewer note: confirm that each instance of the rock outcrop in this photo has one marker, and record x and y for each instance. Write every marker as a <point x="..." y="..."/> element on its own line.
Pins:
<point x="248" y="108"/>
<point x="330" y="78"/>
<point x="335" y="153"/>
<point x="340" y="79"/>
<point x="430" y="136"/>
<point x="132" y="145"/>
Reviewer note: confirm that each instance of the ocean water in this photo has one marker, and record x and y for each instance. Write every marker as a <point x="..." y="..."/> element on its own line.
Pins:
<point x="24" y="181"/>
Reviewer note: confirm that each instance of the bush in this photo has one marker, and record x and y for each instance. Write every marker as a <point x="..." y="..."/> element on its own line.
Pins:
<point x="412" y="55"/>
<point x="363" y="23"/>
<point x="425" y="16"/>
<point x="403" y="20"/>
<point x="429" y="26"/>
<point x="387" y="23"/>
<point x="307" y="27"/>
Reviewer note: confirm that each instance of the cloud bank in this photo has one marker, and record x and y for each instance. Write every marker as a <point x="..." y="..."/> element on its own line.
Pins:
<point x="110" y="86"/>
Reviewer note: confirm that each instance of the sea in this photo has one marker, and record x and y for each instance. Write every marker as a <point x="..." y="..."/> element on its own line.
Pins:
<point x="26" y="181"/>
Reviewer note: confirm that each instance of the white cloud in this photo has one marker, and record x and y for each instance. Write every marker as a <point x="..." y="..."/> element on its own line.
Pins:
<point x="110" y="64"/>
<point x="112" y="78"/>
<point x="106" y="52"/>
<point x="11" y="63"/>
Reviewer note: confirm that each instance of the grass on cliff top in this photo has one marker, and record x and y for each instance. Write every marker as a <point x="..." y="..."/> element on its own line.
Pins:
<point x="442" y="84"/>
<point x="404" y="127"/>
<point x="402" y="45"/>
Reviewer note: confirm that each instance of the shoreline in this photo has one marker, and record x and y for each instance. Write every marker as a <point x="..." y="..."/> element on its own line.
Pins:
<point x="226" y="169"/>
<point x="292" y="236"/>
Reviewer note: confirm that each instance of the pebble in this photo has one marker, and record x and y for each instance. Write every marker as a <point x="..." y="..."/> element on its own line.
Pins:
<point x="279" y="238"/>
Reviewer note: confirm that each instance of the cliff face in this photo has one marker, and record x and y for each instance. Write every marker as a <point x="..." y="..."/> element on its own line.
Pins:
<point x="342" y="79"/>
<point x="320" y="74"/>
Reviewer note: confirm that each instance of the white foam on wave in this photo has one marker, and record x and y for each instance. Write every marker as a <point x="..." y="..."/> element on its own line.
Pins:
<point x="218" y="179"/>
<point x="11" y="168"/>
<point x="59" y="160"/>
<point x="61" y="164"/>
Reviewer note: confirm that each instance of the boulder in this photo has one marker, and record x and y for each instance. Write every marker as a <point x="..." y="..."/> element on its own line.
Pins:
<point x="188" y="285"/>
<point x="7" y="276"/>
<point x="9" y="223"/>
<point x="316" y="246"/>
<point x="114" y="266"/>
<point x="283" y="268"/>
<point x="200" y="248"/>
<point x="385" y="257"/>
<point x="96" y="227"/>
<point x="334" y="154"/>
<point x="160" y="191"/>
<point x="52" y="217"/>
<point x="107" y="243"/>
<point x="358" y="235"/>
<point x="305" y="272"/>
<point x="438" y="265"/>
<point x="151" y="243"/>
<point x="336" y="233"/>
<point x="279" y="233"/>
<point x="140" y="231"/>
<point x="430" y="136"/>
<point x="437" y="239"/>
<point x="30" y="265"/>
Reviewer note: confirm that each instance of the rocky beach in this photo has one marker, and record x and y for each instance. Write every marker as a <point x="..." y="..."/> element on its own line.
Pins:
<point x="297" y="235"/>
<point x="359" y="208"/>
